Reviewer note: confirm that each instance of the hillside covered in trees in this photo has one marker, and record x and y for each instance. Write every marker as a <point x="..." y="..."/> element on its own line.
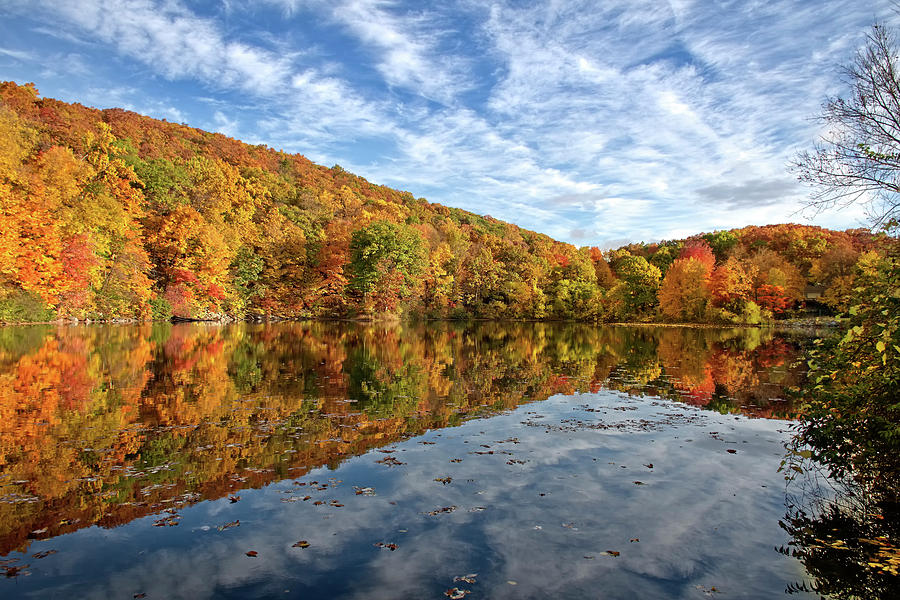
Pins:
<point x="110" y="214"/>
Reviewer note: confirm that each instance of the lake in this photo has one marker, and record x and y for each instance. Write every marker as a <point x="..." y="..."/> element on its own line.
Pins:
<point x="341" y="460"/>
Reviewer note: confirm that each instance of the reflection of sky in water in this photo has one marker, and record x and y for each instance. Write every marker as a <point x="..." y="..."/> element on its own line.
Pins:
<point x="704" y="517"/>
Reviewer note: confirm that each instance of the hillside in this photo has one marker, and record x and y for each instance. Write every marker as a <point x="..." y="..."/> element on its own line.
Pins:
<point x="750" y="273"/>
<point x="108" y="214"/>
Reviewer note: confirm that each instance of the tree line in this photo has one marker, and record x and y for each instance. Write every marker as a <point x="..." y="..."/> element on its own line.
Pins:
<point x="110" y="214"/>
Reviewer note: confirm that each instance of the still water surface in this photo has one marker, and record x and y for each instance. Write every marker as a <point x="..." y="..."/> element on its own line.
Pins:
<point x="335" y="460"/>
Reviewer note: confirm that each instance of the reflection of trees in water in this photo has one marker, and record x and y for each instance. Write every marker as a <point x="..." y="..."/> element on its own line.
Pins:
<point x="845" y="532"/>
<point x="727" y="370"/>
<point x="103" y="424"/>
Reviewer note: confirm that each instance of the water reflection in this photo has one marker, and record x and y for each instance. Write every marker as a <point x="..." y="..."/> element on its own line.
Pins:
<point x="844" y="530"/>
<point x="99" y="425"/>
<point x="102" y="425"/>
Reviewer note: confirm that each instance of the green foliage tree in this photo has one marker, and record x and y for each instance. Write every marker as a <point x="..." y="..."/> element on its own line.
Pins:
<point x="850" y="422"/>
<point x="385" y="258"/>
<point x="852" y="412"/>
<point x="663" y="258"/>
<point x="641" y="281"/>
<point x="722" y="243"/>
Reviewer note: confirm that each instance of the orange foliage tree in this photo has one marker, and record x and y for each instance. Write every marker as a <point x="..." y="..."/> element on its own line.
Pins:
<point x="684" y="293"/>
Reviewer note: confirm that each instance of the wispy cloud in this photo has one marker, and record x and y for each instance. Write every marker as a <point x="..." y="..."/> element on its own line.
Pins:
<point x="411" y="47"/>
<point x="17" y="54"/>
<point x="179" y="45"/>
<point x="622" y="119"/>
<point x="408" y="45"/>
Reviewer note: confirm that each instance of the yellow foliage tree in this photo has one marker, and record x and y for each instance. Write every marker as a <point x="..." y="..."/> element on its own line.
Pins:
<point x="684" y="293"/>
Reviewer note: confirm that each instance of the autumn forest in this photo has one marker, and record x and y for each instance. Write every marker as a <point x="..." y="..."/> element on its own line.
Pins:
<point x="112" y="215"/>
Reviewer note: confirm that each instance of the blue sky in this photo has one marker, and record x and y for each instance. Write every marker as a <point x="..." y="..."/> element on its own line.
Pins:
<point x="595" y="122"/>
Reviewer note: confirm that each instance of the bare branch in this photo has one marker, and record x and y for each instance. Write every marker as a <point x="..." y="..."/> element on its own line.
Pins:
<point x="858" y="158"/>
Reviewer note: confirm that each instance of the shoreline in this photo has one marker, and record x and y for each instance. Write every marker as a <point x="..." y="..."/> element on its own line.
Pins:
<point x="791" y="324"/>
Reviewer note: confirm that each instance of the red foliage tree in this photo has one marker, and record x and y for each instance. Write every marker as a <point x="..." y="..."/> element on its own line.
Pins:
<point x="700" y="251"/>
<point x="774" y="298"/>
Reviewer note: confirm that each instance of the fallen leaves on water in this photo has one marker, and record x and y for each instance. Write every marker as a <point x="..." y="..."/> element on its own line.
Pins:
<point x="140" y="595"/>
<point x="43" y="554"/>
<point x="437" y="511"/>
<point x="364" y="491"/>
<point x="610" y="553"/>
<point x="470" y="578"/>
<point x="170" y="521"/>
<point x="514" y="461"/>
<point x="252" y="553"/>
<point x="638" y="483"/>
<point x="301" y="544"/>
<point x="710" y="591"/>
<point x="318" y="503"/>
<point x="731" y="451"/>
<point x="456" y="460"/>
<point x="444" y="480"/>
<point x="234" y="498"/>
<point x="632" y="540"/>
<point x="456" y="593"/>
<point x="335" y="504"/>
<point x="427" y="443"/>
<point x="14" y="571"/>
<point x="229" y="525"/>
<point x="649" y="465"/>
<point x="390" y="461"/>
<point x="384" y="546"/>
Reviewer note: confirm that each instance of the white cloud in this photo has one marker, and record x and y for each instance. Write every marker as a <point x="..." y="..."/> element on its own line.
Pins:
<point x="17" y="54"/>
<point x="225" y="125"/>
<point x="179" y="45"/>
<point x="406" y="43"/>
<point x="653" y="115"/>
<point x="409" y="55"/>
